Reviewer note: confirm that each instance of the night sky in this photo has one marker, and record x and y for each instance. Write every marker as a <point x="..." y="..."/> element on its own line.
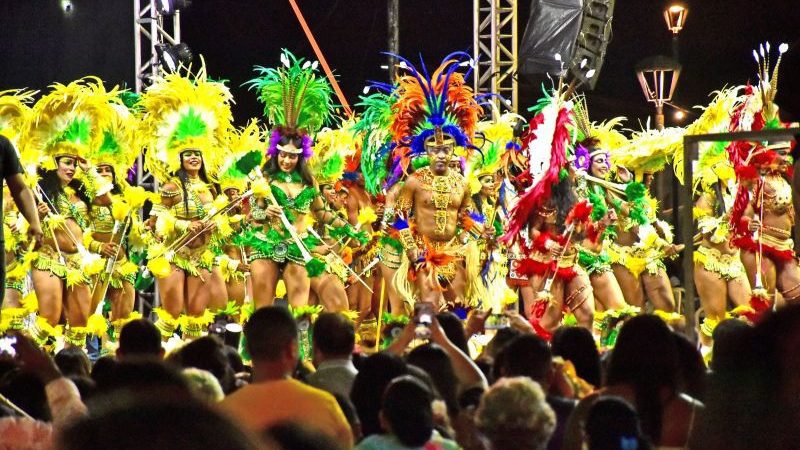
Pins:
<point x="40" y="45"/>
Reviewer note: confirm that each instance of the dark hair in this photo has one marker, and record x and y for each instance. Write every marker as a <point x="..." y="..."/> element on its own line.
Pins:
<point x="374" y="375"/>
<point x="334" y="335"/>
<point x="86" y="386"/>
<point x="73" y="361"/>
<point x="563" y="198"/>
<point x="143" y="378"/>
<point x="692" y="367"/>
<point x="646" y="358"/>
<point x="183" y="176"/>
<point x="271" y="167"/>
<point x="103" y="370"/>
<point x="610" y="421"/>
<point x="269" y="333"/>
<point x="407" y="408"/>
<point x="26" y="391"/>
<point x="528" y="356"/>
<point x="295" y="436"/>
<point x="132" y="425"/>
<point x="51" y="186"/>
<point x="434" y="360"/>
<point x="576" y="344"/>
<point x="454" y="330"/>
<point x="207" y="353"/>
<point x="116" y="189"/>
<point x="731" y="337"/>
<point x="140" y="338"/>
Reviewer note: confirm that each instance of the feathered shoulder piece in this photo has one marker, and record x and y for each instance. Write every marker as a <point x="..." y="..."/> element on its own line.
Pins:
<point x="649" y="150"/>
<point x="544" y="145"/>
<point x="15" y="109"/>
<point x="68" y="121"/>
<point x="297" y="101"/>
<point x="434" y="106"/>
<point x="185" y="110"/>
<point x="331" y="150"/>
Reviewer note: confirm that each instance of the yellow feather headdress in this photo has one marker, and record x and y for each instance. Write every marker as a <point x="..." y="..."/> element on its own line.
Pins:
<point x="14" y="111"/>
<point x="331" y="149"/>
<point x="185" y="111"/>
<point x="493" y="138"/>
<point x="69" y="120"/>
<point x="239" y="143"/>
<point x="119" y="146"/>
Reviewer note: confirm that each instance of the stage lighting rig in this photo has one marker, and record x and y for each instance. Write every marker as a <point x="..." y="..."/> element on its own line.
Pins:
<point x="168" y="7"/>
<point x="172" y="57"/>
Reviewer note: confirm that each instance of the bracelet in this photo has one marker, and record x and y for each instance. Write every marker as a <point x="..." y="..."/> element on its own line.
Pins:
<point x="408" y="239"/>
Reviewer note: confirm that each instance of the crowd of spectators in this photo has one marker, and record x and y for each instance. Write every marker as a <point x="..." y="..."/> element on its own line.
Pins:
<point x="651" y="391"/>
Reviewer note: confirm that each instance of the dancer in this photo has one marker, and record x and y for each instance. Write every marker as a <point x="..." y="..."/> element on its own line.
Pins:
<point x="297" y="102"/>
<point x="186" y="120"/>
<point x="434" y="115"/>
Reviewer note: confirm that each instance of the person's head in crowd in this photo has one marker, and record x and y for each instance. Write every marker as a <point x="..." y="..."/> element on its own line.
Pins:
<point x="454" y="330"/>
<point x="692" y="367"/>
<point x="207" y="353"/>
<point x="576" y="344"/>
<point x="436" y="363"/>
<point x="373" y="376"/>
<point x="143" y="378"/>
<point x="234" y="359"/>
<point x="731" y="339"/>
<point x="130" y="425"/>
<point x="139" y="338"/>
<point x="529" y="356"/>
<point x="514" y="415"/>
<point x="73" y="361"/>
<point x="441" y="415"/>
<point x="334" y="337"/>
<point x="294" y="436"/>
<point x="103" y="370"/>
<point x="406" y="411"/>
<point x="26" y="390"/>
<point x="645" y="358"/>
<point x="494" y="350"/>
<point x="271" y="335"/>
<point x="350" y="414"/>
<point x="612" y="424"/>
<point x="86" y="386"/>
<point x="203" y="384"/>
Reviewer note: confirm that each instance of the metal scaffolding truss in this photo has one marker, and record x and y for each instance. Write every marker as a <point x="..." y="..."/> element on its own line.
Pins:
<point x="149" y="31"/>
<point x="495" y="49"/>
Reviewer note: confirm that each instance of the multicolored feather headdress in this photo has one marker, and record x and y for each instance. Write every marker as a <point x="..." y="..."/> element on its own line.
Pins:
<point x="376" y="140"/>
<point x="68" y="121"/>
<point x="182" y="112"/>
<point x="593" y="138"/>
<point x="495" y="138"/>
<point x="297" y="102"/>
<point x="433" y="110"/>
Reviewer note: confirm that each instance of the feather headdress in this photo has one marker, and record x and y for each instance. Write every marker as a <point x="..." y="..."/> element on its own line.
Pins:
<point x="297" y="102"/>
<point x="432" y="109"/>
<point x="119" y="146"/>
<point x="376" y="140"/>
<point x="68" y="121"/>
<point x="15" y="109"/>
<point x="185" y="111"/>
<point x="242" y="142"/>
<point x="494" y="137"/>
<point x="594" y="138"/>
<point x="545" y="144"/>
<point x="650" y="150"/>
<point x="331" y="149"/>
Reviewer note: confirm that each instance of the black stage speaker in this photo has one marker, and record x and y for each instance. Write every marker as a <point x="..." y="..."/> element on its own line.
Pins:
<point x="578" y="30"/>
<point x="553" y="27"/>
<point x="592" y="42"/>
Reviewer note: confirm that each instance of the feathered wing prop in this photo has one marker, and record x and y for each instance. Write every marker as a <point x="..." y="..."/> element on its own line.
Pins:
<point x="297" y="99"/>
<point x="545" y="144"/>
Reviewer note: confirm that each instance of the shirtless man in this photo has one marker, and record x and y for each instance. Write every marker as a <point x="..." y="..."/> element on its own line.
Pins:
<point x="436" y="199"/>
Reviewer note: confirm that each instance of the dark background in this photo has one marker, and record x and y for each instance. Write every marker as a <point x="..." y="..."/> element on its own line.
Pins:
<point x="39" y="45"/>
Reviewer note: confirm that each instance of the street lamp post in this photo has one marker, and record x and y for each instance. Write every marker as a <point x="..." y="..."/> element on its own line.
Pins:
<point x="675" y="16"/>
<point x="658" y="76"/>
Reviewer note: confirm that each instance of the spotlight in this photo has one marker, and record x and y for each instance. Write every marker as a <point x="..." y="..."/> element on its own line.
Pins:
<point x="168" y="7"/>
<point x="174" y="56"/>
<point x="67" y="7"/>
<point x="680" y="115"/>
